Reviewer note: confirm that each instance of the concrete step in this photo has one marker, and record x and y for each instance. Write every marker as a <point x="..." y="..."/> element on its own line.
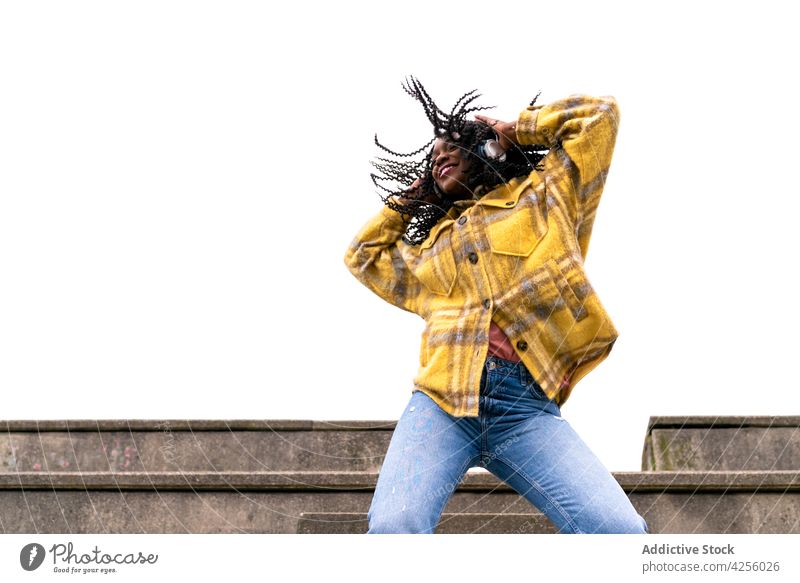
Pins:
<point x="671" y="444"/>
<point x="449" y="523"/>
<point x="290" y="502"/>
<point x="722" y="443"/>
<point x="193" y="445"/>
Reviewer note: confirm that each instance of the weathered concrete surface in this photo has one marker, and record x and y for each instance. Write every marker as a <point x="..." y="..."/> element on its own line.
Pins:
<point x="637" y="482"/>
<point x="197" y="445"/>
<point x="671" y="443"/>
<point x="288" y="502"/>
<point x="287" y="476"/>
<point x="722" y="443"/>
<point x="449" y="523"/>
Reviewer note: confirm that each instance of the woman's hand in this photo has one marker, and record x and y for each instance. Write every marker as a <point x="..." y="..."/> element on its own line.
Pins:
<point x="506" y="130"/>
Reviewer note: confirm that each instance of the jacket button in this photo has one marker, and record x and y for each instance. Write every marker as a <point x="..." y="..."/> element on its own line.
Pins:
<point x="522" y="345"/>
<point x="487" y="303"/>
<point x="473" y="257"/>
<point x="462" y="220"/>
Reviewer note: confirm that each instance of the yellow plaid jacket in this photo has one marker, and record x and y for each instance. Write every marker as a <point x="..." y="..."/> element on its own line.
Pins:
<point x="514" y="255"/>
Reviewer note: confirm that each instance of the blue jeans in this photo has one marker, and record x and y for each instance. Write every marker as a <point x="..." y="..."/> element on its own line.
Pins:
<point x="520" y="437"/>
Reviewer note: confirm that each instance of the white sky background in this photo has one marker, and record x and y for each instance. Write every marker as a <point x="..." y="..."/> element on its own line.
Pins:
<point x="179" y="183"/>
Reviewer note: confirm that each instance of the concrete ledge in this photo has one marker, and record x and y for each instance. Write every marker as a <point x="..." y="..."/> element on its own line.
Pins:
<point x="193" y="425"/>
<point x="277" y="502"/>
<point x="449" y="523"/>
<point x="711" y="481"/>
<point x="722" y="443"/>
<point x="712" y="475"/>
<point x="193" y="445"/>
<point x="694" y="421"/>
<point x="630" y="481"/>
<point x="140" y="445"/>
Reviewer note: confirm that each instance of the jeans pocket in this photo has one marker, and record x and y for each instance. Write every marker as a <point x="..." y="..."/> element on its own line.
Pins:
<point x="536" y="391"/>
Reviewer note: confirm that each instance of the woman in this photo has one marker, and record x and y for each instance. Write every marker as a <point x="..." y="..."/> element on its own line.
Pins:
<point x="485" y="239"/>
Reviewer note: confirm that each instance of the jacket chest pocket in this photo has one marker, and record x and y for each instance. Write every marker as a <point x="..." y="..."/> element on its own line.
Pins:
<point x="518" y="230"/>
<point x="432" y="262"/>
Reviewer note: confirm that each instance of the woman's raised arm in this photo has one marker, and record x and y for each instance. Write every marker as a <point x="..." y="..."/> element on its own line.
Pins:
<point x="375" y="260"/>
<point x="581" y="131"/>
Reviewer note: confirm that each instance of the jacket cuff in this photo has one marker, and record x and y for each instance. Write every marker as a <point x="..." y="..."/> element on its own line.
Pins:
<point x="526" y="127"/>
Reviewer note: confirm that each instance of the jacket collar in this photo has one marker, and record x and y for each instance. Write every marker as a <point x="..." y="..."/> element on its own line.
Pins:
<point x="503" y="196"/>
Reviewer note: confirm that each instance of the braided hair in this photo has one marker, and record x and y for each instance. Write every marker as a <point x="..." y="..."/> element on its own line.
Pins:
<point x="419" y="214"/>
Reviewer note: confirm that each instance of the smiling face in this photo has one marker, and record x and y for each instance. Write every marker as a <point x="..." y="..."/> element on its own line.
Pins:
<point x="449" y="169"/>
